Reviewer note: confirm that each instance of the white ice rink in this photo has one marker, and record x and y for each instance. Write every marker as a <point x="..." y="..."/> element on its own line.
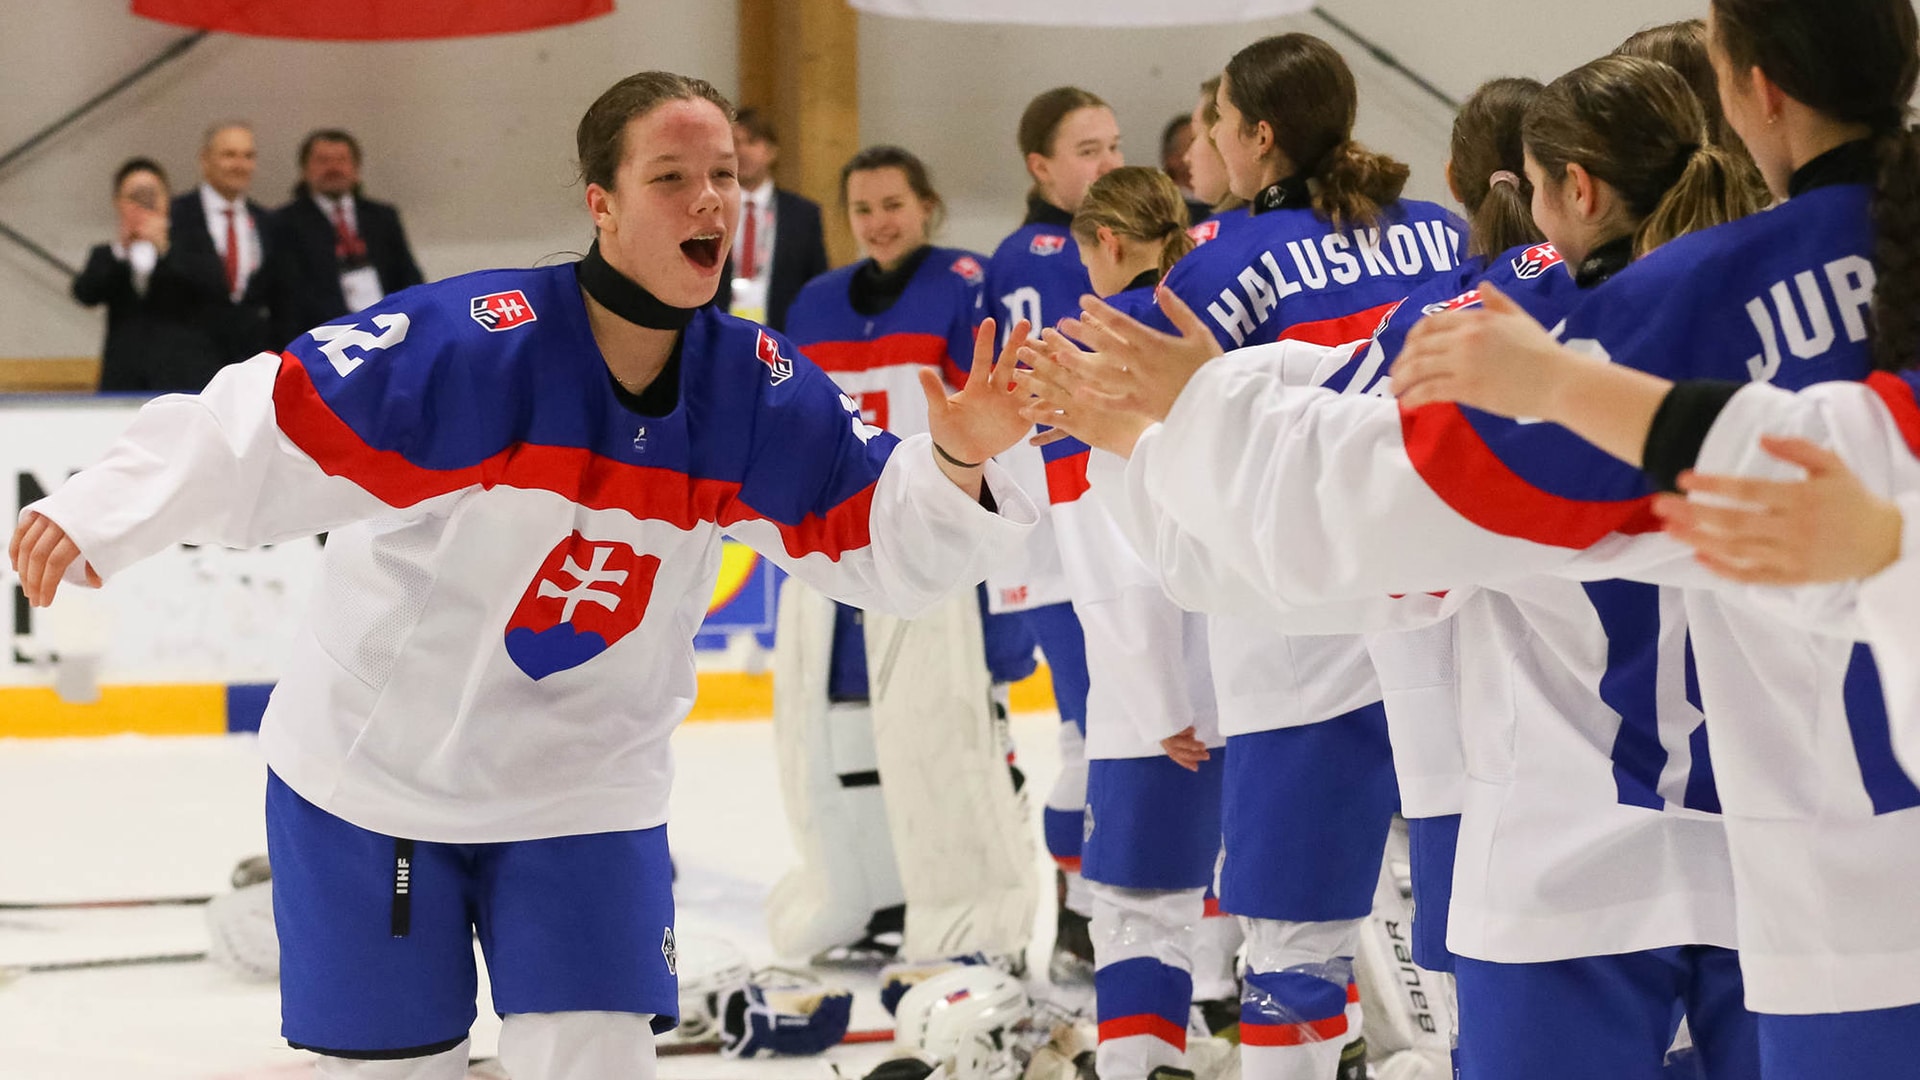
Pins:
<point x="96" y="819"/>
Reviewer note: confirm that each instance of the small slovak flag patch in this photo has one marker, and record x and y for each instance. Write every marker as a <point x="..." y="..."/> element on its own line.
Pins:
<point x="587" y="595"/>
<point x="1205" y="231"/>
<point x="969" y="267"/>
<point x="1047" y="244"/>
<point x="502" y="310"/>
<point x="768" y="350"/>
<point x="1535" y="261"/>
<point x="1464" y="300"/>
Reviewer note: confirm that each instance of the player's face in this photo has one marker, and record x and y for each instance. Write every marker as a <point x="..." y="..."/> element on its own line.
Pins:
<point x="1205" y="170"/>
<point x="668" y="221"/>
<point x="330" y="168"/>
<point x="1086" y="147"/>
<point x="228" y="160"/>
<point x="1101" y="256"/>
<point x="1240" y="149"/>
<point x="888" y="219"/>
<point x="1553" y="212"/>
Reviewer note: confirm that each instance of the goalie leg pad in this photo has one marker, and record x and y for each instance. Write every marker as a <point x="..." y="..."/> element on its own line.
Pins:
<point x="1143" y="984"/>
<point x="830" y="785"/>
<point x="960" y="831"/>
<point x="1408" y="1007"/>
<point x="240" y="934"/>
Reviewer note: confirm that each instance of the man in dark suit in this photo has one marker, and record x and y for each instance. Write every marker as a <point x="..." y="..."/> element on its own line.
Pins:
<point x="777" y="245"/>
<point x="218" y="218"/>
<point x="339" y="250"/>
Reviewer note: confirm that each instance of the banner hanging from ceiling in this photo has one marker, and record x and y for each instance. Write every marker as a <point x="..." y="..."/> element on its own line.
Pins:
<point x="1091" y="13"/>
<point x="370" y="20"/>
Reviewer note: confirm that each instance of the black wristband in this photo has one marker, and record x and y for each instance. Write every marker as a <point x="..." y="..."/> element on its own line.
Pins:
<point x="1680" y="427"/>
<point x="954" y="461"/>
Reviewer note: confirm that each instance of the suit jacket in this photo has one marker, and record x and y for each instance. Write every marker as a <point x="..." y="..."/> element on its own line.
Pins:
<point x="307" y="292"/>
<point x="799" y="255"/>
<point x="160" y="340"/>
<point x="238" y="330"/>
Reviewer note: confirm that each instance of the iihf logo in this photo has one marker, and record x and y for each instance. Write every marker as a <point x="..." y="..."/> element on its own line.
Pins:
<point x="670" y="952"/>
<point x="502" y="310"/>
<point x="1535" y="261"/>
<point x="768" y="350"/>
<point x="587" y="595"/>
<point x="1047" y="244"/>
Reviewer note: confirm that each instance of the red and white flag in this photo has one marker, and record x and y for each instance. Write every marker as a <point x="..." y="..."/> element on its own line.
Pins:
<point x="370" y="20"/>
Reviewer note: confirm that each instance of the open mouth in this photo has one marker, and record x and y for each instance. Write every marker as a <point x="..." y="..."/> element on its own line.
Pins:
<point x="703" y="251"/>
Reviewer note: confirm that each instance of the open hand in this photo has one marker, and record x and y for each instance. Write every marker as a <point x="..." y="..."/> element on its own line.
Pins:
<point x="984" y="417"/>
<point x="1827" y="527"/>
<point x="41" y="552"/>
<point x="1063" y="399"/>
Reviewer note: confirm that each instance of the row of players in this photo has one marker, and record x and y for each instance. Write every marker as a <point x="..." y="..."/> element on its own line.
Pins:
<point x="1547" y="717"/>
<point x="451" y="751"/>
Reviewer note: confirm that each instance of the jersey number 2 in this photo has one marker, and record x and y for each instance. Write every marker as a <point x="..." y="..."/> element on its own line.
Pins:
<point x="336" y="340"/>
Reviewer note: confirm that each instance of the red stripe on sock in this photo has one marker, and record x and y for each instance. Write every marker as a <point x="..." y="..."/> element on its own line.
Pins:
<point x="1123" y="1027"/>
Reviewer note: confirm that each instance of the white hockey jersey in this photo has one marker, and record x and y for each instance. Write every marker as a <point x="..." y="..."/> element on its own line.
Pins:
<point x="501" y="643"/>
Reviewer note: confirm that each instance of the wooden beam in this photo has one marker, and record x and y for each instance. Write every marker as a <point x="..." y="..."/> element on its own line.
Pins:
<point x="800" y="61"/>
<point x="61" y="375"/>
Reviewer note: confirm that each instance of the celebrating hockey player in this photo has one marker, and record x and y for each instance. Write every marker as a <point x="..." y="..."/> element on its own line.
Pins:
<point x="913" y="841"/>
<point x="526" y="475"/>
<point x="1068" y="138"/>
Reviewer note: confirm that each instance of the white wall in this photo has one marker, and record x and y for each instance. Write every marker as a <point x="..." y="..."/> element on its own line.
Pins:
<point x="472" y="138"/>
<point x="953" y="93"/>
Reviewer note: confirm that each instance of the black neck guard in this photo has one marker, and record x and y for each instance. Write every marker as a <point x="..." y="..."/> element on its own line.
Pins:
<point x="626" y="298"/>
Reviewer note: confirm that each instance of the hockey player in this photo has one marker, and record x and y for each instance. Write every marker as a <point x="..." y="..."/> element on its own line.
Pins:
<point x="1821" y="819"/>
<point x="525" y="475"/>
<point x="1068" y="138"/>
<point x="1152" y="831"/>
<point x="955" y="874"/>
<point x="1306" y="739"/>
<point x="1208" y="170"/>
<point x="1545" y="921"/>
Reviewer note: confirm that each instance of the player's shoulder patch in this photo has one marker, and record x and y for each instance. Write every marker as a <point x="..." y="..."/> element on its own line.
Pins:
<point x="1047" y="244"/>
<point x="500" y="311"/>
<point x="969" y="268"/>
<point x="767" y="348"/>
<point x="1536" y="260"/>
<point x="1205" y="231"/>
<point x="1464" y="300"/>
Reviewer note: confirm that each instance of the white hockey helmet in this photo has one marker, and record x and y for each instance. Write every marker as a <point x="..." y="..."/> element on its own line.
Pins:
<point x="709" y="967"/>
<point x="962" y="1018"/>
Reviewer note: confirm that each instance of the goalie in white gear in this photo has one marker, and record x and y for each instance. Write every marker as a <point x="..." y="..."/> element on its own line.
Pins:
<point x="892" y="744"/>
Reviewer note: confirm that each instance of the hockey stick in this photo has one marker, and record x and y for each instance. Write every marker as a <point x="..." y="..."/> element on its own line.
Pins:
<point x="11" y="972"/>
<point x="668" y="1048"/>
<point x="91" y="905"/>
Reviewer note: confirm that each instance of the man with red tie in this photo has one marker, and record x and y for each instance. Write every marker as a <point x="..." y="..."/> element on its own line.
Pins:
<point x="339" y="251"/>
<point x="219" y="217"/>
<point x="780" y="246"/>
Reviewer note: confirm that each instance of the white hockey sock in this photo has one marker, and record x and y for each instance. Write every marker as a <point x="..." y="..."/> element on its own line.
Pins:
<point x="1299" y="1007"/>
<point x="577" y="1046"/>
<point x="446" y="1065"/>
<point x="1143" y="982"/>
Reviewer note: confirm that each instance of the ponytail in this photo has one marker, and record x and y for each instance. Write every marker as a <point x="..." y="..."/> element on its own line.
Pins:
<point x="1896" y="249"/>
<point x="1712" y="190"/>
<point x="1487" y="163"/>
<point x="1179" y="242"/>
<point x="1355" y="182"/>
<point x="1504" y="219"/>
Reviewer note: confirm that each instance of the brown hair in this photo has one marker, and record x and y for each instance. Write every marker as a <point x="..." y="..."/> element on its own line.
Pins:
<point x="909" y="164"/>
<point x="1637" y="125"/>
<point x="1040" y="122"/>
<point x="601" y="139"/>
<point x="1682" y="46"/>
<point x="758" y="124"/>
<point x="1486" y="141"/>
<point x="1140" y="204"/>
<point x="1302" y="89"/>
<point x="1855" y="61"/>
<point x="1210" y="115"/>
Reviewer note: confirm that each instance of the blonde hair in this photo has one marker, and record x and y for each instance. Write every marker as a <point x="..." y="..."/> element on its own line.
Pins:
<point x="1139" y="204"/>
